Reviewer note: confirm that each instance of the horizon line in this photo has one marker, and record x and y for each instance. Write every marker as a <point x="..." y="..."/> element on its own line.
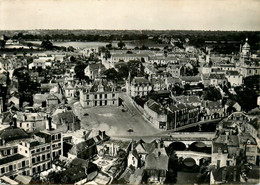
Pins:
<point x="93" y="29"/>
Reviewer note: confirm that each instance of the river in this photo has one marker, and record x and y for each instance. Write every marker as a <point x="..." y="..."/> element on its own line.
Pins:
<point x="83" y="45"/>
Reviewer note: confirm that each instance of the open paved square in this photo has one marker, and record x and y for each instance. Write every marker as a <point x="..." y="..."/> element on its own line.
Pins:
<point x="114" y="121"/>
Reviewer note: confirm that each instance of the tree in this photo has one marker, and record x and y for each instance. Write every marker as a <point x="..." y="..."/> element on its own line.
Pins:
<point x="79" y="70"/>
<point x="2" y="44"/>
<point x="212" y="94"/>
<point x="121" y="44"/>
<point x="46" y="44"/>
<point x="111" y="74"/>
<point x="109" y="46"/>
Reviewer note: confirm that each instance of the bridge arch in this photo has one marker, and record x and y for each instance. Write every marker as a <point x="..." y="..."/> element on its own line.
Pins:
<point x="198" y="146"/>
<point x="189" y="162"/>
<point x="177" y="146"/>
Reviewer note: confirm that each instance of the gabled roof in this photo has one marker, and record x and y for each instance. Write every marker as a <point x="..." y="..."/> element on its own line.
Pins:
<point x="134" y="153"/>
<point x="154" y="106"/>
<point x="11" y="133"/>
<point x="216" y="76"/>
<point x="157" y="160"/>
<point x="11" y="158"/>
<point x="233" y="73"/>
<point x="191" y="78"/>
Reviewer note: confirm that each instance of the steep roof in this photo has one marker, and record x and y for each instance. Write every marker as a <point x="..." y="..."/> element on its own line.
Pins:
<point x="154" y="106"/>
<point x="11" y="159"/>
<point x="157" y="160"/>
<point x="11" y="133"/>
<point x="233" y="73"/>
<point x="216" y="76"/>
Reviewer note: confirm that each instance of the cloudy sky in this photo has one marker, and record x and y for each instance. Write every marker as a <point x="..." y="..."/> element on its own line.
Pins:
<point x="130" y="14"/>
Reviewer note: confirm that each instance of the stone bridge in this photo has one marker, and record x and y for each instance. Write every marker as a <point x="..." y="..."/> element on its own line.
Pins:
<point x="196" y="156"/>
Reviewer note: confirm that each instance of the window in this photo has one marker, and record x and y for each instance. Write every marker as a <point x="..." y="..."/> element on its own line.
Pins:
<point x="39" y="168"/>
<point x="43" y="167"/>
<point x="53" y="137"/>
<point x="2" y="170"/>
<point x="48" y="156"/>
<point x="34" y="170"/>
<point x="23" y="164"/>
<point x="38" y="158"/>
<point x="113" y="95"/>
<point x="8" y="152"/>
<point x="38" y="150"/>
<point x="43" y="157"/>
<point x="105" y="95"/>
<point x="59" y="152"/>
<point x="48" y="147"/>
<point x="11" y="168"/>
<point x="15" y="150"/>
<point x="33" y="160"/>
<point x="95" y="96"/>
<point x="43" y="148"/>
<point x="59" y="136"/>
<point x="53" y="154"/>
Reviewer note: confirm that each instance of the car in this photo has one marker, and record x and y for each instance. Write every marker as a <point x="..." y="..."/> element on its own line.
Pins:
<point x="86" y="114"/>
<point x="124" y="110"/>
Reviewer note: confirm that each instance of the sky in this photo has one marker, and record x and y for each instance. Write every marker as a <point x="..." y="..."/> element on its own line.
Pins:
<point x="237" y="15"/>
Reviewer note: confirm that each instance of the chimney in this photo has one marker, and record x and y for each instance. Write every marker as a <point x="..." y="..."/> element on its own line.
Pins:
<point x="224" y="174"/>
<point x="235" y="175"/>
<point x="15" y="122"/>
<point x="133" y="145"/>
<point x="49" y="122"/>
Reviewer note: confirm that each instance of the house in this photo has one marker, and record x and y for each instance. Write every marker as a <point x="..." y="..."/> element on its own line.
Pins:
<point x="47" y="99"/>
<point x="226" y="175"/>
<point x="55" y="140"/>
<point x="94" y="70"/>
<point x="232" y="106"/>
<point x="100" y="93"/>
<point x="156" y="164"/>
<point x="227" y="67"/>
<point x="142" y="149"/>
<point x="192" y="100"/>
<point x="158" y="84"/>
<point x="66" y="121"/>
<point x="174" y="70"/>
<point x="38" y="63"/>
<point x="112" y="147"/>
<point x="191" y="80"/>
<point x="31" y="121"/>
<point x="115" y="58"/>
<point x="156" y="114"/>
<point x="234" y="78"/>
<point x="139" y="86"/>
<point x="14" y="100"/>
<point x="12" y="133"/>
<point x="39" y="153"/>
<point x="88" y="149"/>
<point x="216" y="79"/>
<point x="13" y="165"/>
<point x="181" y="114"/>
<point x="214" y="109"/>
<point x="79" y="172"/>
<point x="133" y="159"/>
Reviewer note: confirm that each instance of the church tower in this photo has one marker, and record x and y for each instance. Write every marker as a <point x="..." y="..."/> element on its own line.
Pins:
<point x="245" y="53"/>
